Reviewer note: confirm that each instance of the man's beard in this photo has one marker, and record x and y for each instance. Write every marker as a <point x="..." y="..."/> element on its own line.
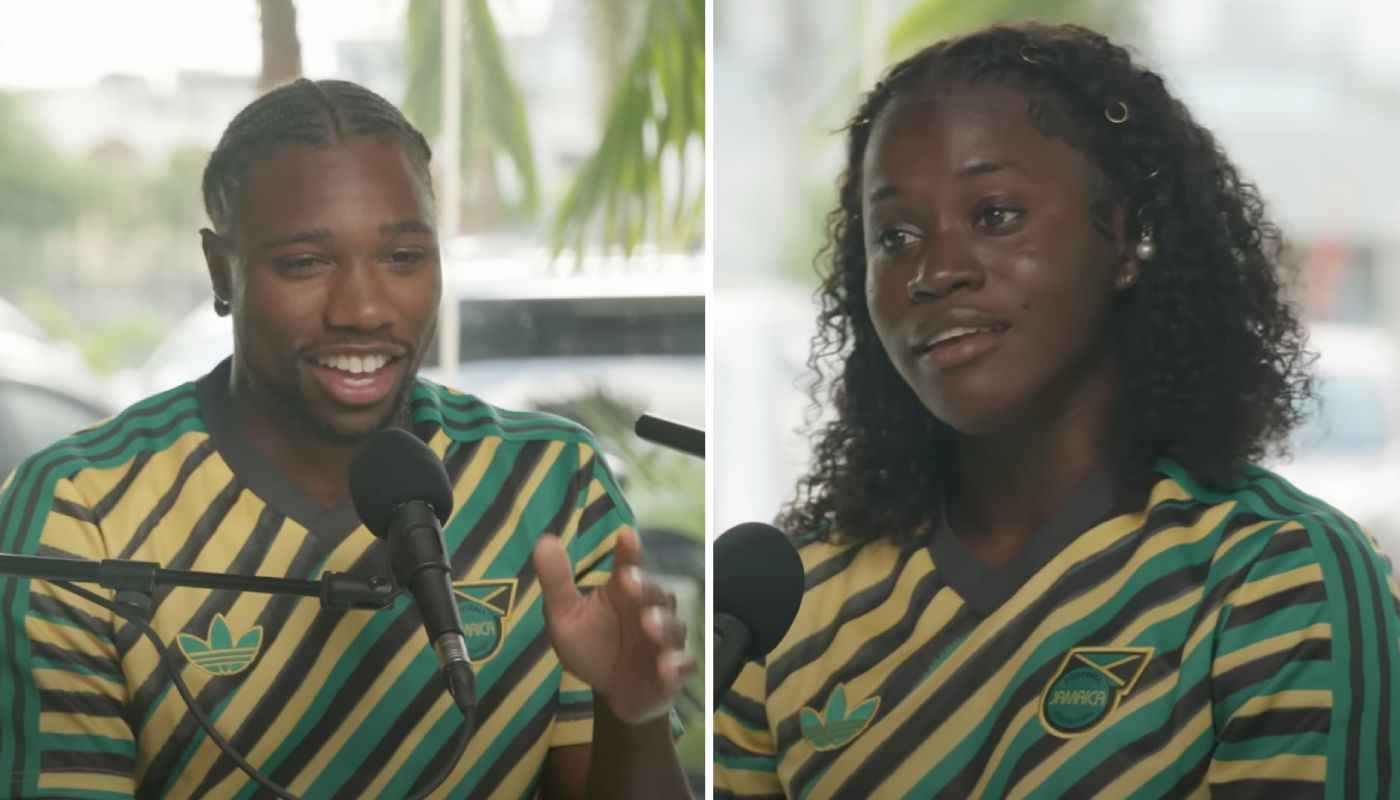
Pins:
<point x="295" y="404"/>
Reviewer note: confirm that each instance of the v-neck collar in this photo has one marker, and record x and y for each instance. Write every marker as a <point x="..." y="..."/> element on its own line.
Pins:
<point x="986" y="588"/>
<point x="329" y="525"/>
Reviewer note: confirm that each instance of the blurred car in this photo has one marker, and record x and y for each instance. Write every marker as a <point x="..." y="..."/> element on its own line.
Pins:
<point x="46" y="393"/>
<point x="1348" y="451"/>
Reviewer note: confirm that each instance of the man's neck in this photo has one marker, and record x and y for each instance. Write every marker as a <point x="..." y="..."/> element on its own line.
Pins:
<point x="317" y="465"/>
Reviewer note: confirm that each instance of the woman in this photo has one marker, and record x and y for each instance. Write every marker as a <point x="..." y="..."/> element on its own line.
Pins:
<point x="1039" y="561"/>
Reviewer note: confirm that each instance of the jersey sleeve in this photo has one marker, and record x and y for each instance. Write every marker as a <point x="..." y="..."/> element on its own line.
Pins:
<point x="65" y="733"/>
<point x="1307" y="669"/>
<point x="746" y="760"/>
<point x="591" y="535"/>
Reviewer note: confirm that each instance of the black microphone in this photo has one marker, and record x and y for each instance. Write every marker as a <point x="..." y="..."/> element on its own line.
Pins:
<point x="672" y="434"/>
<point x="402" y="494"/>
<point x="758" y="588"/>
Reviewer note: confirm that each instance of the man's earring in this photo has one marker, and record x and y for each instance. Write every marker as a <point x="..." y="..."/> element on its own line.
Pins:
<point x="221" y="307"/>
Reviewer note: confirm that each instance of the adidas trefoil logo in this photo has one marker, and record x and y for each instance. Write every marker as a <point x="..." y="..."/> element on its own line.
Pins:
<point x="835" y="727"/>
<point x="221" y="654"/>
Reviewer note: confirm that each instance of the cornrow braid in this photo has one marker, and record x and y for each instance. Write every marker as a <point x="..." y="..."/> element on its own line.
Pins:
<point x="1215" y="369"/>
<point x="314" y="113"/>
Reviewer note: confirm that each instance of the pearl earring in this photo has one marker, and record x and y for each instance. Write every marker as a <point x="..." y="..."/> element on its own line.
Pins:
<point x="1146" y="249"/>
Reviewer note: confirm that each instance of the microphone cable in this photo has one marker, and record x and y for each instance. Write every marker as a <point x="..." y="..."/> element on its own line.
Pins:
<point x="132" y="613"/>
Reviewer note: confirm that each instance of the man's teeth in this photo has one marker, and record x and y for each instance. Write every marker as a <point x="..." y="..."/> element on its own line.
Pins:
<point x="354" y="364"/>
<point x="953" y="333"/>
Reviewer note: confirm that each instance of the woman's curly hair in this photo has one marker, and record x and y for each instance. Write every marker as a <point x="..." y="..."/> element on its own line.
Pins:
<point x="1215" y="370"/>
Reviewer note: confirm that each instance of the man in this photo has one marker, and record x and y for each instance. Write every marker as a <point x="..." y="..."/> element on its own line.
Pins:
<point x="323" y="251"/>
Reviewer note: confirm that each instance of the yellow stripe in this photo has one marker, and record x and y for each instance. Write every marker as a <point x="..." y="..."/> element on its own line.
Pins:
<point x="59" y="680"/>
<point x="136" y="503"/>
<point x="969" y="712"/>
<point x="83" y="725"/>
<point x="52" y="632"/>
<point x="794" y="689"/>
<point x="1274" y="644"/>
<point x="500" y="535"/>
<point x="526" y="767"/>
<point x="1284" y="765"/>
<point x="1275" y="584"/>
<point x="1292" y="698"/>
<point x="491" y="729"/>
<point x="86" y="781"/>
<point x="569" y="733"/>
<point x="745" y="781"/>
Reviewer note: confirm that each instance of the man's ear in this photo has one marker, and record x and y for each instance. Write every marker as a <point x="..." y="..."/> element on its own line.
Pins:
<point x="217" y="260"/>
<point x="1127" y="263"/>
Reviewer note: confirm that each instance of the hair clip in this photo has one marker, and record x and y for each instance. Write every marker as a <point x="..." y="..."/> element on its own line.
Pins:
<point x="1122" y="116"/>
<point x="1154" y="173"/>
<point x="1028" y="55"/>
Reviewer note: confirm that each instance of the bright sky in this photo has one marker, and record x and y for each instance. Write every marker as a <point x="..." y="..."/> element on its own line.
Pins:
<point x="50" y="43"/>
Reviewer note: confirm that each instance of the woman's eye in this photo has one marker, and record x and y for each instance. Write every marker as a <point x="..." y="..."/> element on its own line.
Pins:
<point x="893" y="239"/>
<point x="997" y="216"/>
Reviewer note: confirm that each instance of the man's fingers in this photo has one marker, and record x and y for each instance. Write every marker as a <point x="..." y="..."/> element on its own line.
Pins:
<point x="556" y="575"/>
<point x="628" y="551"/>
<point x="663" y="627"/>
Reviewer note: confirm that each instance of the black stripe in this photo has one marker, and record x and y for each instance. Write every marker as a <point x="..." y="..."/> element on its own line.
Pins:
<point x="507" y="428"/>
<point x="501" y="767"/>
<point x="747" y="711"/>
<point x="879" y="647"/>
<point x="1376" y="598"/>
<point x="85" y="761"/>
<point x="1351" y="786"/>
<point x="89" y="704"/>
<point x="1276" y="722"/>
<point x="487" y="704"/>
<point x="857" y="604"/>
<point x="595" y="511"/>
<point x="1261" y="669"/>
<point x="1072" y="584"/>
<point x="1162" y="591"/>
<point x="70" y="509"/>
<point x="77" y="660"/>
<point x="396" y="636"/>
<point x="572" y="712"/>
<point x="1143" y="748"/>
<point x="216" y="510"/>
<point x="1249" y="613"/>
<point x="192" y="462"/>
<point x="255" y="548"/>
<point x="1192" y="779"/>
<point x="53" y="607"/>
<point x="378" y="759"/>
<point x="273" y="617"/>
<point x="114" y="495"/>
<point x="481" y="534"/>
<point x="831" y="567"/>
<point x="11" y="501"/>
<point x="724" y="794"/>
<point x="457" y="457"/>
<point x="724" y="746"/>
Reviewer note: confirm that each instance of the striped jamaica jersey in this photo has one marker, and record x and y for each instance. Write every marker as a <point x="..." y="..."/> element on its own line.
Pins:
<point x="327" y="703"/>
<point x="1210" y="644"/>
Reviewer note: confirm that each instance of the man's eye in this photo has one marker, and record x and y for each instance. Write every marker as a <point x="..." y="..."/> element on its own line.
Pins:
<point x="406" y="257"/>
<point x="299" y="264"/>
<point x="997" y="217"/>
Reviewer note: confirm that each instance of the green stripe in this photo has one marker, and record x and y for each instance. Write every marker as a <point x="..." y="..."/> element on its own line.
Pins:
<point x="88" y="743"/>
<point x="198" y="739"/>
<point x="84" y="794"/>
<point x="12" y="504"/>
<point x="1307" y="743"/>
<point x="1054" y="646"/>
<point x="767" y="764"/>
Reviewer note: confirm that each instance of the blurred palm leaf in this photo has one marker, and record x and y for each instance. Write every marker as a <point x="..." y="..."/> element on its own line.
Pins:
<point x="657" y="109"/>
<point x="493" y="113"/>
<point x="929" y="21"/>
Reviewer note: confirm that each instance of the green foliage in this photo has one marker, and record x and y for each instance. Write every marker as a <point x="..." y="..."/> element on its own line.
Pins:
<point x="40" y="190"/>
<point x="928" y="21"/>
<point x="658" y="109"/>
<point x="493" y="113"/>
<point x="105" y="347"/>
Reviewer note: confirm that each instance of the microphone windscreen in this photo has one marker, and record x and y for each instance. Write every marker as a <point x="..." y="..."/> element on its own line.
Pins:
<point x="393" y="467"/>
<point x="758" y="580"/>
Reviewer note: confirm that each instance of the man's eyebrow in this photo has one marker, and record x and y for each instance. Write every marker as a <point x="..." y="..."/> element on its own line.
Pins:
<point x="296" y="237"/>
<point x="406" y="226"/>
<point x="984" y="167"/>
